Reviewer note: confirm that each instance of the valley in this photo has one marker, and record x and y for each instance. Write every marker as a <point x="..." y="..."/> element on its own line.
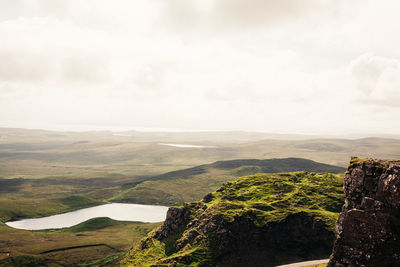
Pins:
<point x="199" y="133"/>
<point x="44" y="173"/>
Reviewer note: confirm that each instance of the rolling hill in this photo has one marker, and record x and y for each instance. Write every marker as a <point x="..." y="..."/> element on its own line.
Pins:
<point x="177" y="187"/>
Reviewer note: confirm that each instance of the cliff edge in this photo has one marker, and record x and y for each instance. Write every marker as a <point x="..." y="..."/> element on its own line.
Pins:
<point x="368" y="228"/>
<point x="258" y="220"/>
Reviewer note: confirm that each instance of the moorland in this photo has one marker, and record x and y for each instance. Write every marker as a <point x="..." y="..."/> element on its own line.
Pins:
<point x="46" y="172"/>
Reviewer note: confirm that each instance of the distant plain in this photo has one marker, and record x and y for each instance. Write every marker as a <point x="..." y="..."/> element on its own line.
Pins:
<point x="44" y="173"/>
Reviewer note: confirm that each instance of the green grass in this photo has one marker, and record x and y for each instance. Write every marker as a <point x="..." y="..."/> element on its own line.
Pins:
<point x="107" y="261"/>
<point x="28" y="198"/>
<point x="16" y="208"/>
<point x="315" y="193"/>
<point x="266" y="200"/>
<point x="77" y="202"/>
<point x="65" y="171"/>
<point x="177" y="187"/>
<point x="94" y="224"/>
<point x="23" y="198"/>
<point x="22" y="261"/>
<point x="119" y="236"/>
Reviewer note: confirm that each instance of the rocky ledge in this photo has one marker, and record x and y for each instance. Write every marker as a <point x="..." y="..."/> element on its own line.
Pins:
<point x="368" y="228"/>
<point x="259" y="220"/>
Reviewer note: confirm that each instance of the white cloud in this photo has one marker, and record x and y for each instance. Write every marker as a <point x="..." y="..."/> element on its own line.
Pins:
<point x="378" y="78"/>
<point x="228" y="64"/>
<point x="48" y="49"/>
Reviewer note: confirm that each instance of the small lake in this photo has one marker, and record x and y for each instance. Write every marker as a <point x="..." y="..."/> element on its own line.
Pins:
<point x="186" y="146"/>
<point x="115" y="211"/>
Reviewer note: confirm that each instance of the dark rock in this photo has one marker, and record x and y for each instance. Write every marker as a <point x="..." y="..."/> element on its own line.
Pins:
<point x="207" y="198"/>
<point x="368" y="228"/>
<point x="175" y="222"/>
<point x="241" y="242"/>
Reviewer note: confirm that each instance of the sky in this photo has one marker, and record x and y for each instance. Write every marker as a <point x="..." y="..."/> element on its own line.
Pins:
<point x="287" y="66"/>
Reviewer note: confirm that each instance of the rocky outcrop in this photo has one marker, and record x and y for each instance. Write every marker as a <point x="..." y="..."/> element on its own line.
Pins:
<point x="175" y="222"/>
<point x="368" y="228"/>
<point x="241" y="242"/>
<point x="260" y="220"/>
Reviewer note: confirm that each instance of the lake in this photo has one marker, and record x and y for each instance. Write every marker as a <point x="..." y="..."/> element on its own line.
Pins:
<point x="186" y="146"/>
<point x="115" y="211"/>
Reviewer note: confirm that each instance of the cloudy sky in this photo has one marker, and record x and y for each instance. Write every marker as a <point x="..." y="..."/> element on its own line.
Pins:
<point x="289" y="66"/>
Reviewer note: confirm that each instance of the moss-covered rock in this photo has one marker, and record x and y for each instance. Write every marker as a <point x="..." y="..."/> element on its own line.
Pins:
<point x="258" y="220"/>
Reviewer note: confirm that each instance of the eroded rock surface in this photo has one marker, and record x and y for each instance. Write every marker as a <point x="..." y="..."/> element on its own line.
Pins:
<point x="368" y="229"/>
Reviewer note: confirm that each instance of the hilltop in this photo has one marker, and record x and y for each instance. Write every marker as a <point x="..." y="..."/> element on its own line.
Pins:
<point x="177" y="187"/>
<point x="257" y="220"/>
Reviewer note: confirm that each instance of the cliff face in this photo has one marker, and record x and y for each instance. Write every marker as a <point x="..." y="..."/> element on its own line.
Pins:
<point x="368" y="229"/>
<point x="259" y="220"/>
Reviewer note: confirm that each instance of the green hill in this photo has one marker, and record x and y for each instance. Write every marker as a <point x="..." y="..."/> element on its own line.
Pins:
<point x="258" y="220"/>
<point x="177" y="187"/>
<point x="264" y="166"/>
<point x="94" y="224"/>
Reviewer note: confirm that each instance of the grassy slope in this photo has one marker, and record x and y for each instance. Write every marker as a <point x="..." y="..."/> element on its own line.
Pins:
<point x="96" y="164"/>
<point x="117" y="237"/>
<point x="175" y="188"/>
<point x="52" y="195"/>
<point x="269" y="197"/>
<point x="38" y="207"/>
<point x="67" y="162"/>
<point x="21" y="198"/>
